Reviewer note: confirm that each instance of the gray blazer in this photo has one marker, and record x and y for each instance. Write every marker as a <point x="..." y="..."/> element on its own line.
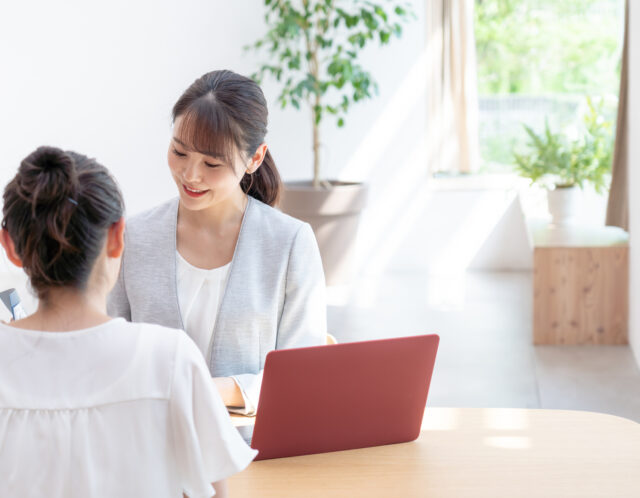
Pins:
<point x="274" y="297"/>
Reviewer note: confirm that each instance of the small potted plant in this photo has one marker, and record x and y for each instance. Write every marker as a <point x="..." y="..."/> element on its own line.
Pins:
<point x="313" y="48"/>
<point x="564" y="165"/>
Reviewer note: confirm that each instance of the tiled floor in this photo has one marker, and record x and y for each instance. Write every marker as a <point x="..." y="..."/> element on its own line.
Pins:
<point x="486" y="358"/>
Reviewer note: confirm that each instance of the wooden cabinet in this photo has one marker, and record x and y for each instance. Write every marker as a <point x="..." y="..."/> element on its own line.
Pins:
<point x="580" y="286"/>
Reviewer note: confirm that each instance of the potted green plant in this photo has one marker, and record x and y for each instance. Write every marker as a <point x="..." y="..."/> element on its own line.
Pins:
<point x="313" y="48"/>
<point x="564" y="165"/>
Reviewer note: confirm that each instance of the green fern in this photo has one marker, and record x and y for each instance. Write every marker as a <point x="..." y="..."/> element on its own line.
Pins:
<point x="554" y="159"/>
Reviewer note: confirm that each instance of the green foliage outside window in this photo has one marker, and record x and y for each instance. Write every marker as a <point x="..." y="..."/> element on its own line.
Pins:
<point x="537" y="60"/>
<point x="548" y="46"/>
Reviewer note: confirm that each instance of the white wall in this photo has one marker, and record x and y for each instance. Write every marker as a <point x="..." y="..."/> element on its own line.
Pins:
<point x="101" y="77"/>
<point x="634" y="176"/>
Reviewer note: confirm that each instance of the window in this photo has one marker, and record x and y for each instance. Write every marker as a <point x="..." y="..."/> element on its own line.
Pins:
<point x="537" y="60"/>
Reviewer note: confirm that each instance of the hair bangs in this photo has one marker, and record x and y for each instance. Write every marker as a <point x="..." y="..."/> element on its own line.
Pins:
<point x="207" y="130"/>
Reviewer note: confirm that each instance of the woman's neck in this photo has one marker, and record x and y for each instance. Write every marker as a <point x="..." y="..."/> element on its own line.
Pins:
<point x="65" y="310"/>
<point x="217" y="216"/>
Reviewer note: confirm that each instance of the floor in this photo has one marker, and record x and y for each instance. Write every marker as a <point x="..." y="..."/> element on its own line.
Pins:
<point x="486" y="358"/>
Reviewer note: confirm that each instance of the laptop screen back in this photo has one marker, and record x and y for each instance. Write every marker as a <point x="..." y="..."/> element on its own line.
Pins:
<point x="343" y="396"/>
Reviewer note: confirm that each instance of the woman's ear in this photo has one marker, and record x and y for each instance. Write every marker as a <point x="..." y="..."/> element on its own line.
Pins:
<point x="115" y="239"/>
<point x="257" y="158"/>
<point x="9" y="248"/>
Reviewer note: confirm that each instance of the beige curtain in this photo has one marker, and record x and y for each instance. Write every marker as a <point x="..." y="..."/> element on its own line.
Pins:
<point x="452" y="119"/>
<point x="618" y="205"/>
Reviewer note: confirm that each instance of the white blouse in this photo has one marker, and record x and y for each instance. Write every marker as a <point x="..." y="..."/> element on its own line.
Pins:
<point x="120" y="409"/>
<point x="199" y="294"/>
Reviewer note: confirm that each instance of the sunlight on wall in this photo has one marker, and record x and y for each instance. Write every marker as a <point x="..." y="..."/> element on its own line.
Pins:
<point x="398" y="194"/>
<point x="394" y="219"/>
<point x="380" y="135"/>
<point x="468" y="236"/>
<point x="398" y="189"/>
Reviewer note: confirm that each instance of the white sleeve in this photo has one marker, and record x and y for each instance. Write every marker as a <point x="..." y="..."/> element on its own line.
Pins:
<point x="208" y="448"/>
<point x="246" y="382"/>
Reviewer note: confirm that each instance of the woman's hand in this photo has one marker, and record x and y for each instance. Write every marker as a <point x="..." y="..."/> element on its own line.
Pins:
<point x="229" y="391"/>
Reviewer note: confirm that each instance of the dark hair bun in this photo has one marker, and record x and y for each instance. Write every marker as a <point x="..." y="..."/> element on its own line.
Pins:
<point x="57" y="210"/>
<point x="48" y="177"/>
<point x="50" y="158"/>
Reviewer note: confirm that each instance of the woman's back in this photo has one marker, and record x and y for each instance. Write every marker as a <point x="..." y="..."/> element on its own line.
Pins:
<point x="119" y="409"/>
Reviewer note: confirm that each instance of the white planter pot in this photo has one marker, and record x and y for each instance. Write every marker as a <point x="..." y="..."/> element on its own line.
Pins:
<point x="564" y="205"/>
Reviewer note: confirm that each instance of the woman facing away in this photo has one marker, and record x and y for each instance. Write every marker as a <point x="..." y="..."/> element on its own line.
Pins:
<point x="90" y="405"/>
<point x="219" y="261"/>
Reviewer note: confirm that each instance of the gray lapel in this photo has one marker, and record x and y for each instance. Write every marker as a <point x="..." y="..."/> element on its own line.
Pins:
<point x="224" y="336"/>
<point x="160" y="253"/>
<point x="172" y="224"/>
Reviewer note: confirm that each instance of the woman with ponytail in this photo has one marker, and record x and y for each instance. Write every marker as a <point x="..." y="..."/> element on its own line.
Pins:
<point x="92" y="406"/>
<point x="220" y="261"/>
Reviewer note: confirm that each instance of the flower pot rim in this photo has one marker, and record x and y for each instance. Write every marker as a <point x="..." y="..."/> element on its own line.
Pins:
<point x="564" y="187"/>
<point x="303" y="198"/>
<point x="335" y="184"/>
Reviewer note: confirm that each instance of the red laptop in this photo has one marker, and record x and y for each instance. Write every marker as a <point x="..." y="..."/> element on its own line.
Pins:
<point x="343" y="396"/>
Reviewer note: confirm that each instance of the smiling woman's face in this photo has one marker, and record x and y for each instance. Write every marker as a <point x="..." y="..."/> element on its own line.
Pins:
<point x="202" y="180"/>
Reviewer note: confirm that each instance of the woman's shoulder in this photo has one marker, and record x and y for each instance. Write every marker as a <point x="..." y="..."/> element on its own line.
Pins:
<point x="168" y="351"/>
<point x="161" y="214"/>
<point x="152" y="229"/>
<point x="161" y="346"/>
<point x="156" y="353"/>
<point x="156" y="337"/>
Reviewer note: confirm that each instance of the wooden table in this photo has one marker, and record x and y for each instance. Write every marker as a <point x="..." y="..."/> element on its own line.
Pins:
<point x="581" y="280"/>
<point x="469" y="452"/>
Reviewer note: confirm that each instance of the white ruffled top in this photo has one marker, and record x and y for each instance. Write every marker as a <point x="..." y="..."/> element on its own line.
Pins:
<point x="120" y="409"/>
<point x="199" y="294"/>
